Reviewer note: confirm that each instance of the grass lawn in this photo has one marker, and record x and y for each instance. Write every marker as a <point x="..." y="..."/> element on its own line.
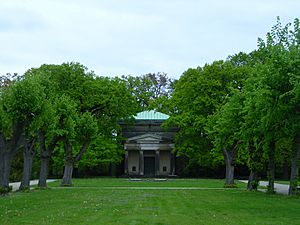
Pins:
<point x="112" y="201"/>
<point x="287" y="182"/>
<point x="280" y="182"/>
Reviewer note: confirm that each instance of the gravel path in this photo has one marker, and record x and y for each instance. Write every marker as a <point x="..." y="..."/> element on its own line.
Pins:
<point x="279" y="188"/>
<point x="16" y="185"/>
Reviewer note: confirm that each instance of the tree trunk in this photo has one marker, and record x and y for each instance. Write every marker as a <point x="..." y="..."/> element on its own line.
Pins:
<point x="68" y="172"/>
<point x="5" y="164"/>
<point x="82" y="150"/>
<point x="45" y="154"/>
<point x="229" y="159"/>
<point x="229" y="174"/>
<point x="252" y="181"/>
<point x="69" y="163"/>
<point x="7" y="151"/>
<point x="295" y="167"/>
<point x="44" y="172"/>
<point x="271" y="168"/>
<point x="27" y="165"/>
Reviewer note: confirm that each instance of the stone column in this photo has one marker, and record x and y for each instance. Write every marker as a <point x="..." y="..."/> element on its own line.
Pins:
<point x="172" y="163"/>
<point x="157" y="160"/>
<point x="126" y="163"/>
<point x="141" y="162"/>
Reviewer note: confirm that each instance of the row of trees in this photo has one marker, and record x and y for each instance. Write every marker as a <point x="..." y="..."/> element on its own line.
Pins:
<point x="68" y="116"/>
<point x="245" y="109"/>
<point x="64" y="108"/>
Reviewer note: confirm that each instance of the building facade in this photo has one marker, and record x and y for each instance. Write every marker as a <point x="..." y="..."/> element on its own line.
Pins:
<point x="148" y="147"/>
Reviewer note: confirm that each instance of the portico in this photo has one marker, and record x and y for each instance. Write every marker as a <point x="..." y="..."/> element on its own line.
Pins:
<point x="148" y="148"/>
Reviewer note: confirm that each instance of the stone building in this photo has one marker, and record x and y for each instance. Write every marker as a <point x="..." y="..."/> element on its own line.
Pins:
<point x="148" y="147"/>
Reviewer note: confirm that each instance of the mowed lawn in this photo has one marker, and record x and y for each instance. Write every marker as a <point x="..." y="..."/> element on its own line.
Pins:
<point x="120" y="201"/>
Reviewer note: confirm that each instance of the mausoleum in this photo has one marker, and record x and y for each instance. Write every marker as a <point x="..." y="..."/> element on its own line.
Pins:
<point x="148" y="147"/>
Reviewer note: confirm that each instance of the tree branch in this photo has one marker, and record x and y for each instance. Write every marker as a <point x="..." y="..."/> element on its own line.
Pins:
<point x="82" y="150"/>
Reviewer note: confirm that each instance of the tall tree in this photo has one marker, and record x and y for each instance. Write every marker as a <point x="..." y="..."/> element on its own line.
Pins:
<point x="28" y="153"/>
<point x="20" y="103"/>
<point x="198" y="94"/>
<point x="271" y="100"/>
<point x="224" y="129"/>
<point x="74" y="147"/>
<point x="107" y="100"/>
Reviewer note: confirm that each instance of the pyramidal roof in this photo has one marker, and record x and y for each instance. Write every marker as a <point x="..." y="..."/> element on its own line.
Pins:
<point x="151" y="115"/>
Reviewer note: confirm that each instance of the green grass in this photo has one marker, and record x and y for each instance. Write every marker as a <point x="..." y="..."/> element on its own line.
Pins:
<point x="280" y="182"/>
<point x="125" y="182"/>
<point x="100" y="201"/>
<point x="287" y="182"/>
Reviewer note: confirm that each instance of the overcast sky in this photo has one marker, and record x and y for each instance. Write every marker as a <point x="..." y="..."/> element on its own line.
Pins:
<point x="121" y="37"/>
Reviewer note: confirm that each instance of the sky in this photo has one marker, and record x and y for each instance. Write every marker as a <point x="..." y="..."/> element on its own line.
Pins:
<point x="133" y="37"/>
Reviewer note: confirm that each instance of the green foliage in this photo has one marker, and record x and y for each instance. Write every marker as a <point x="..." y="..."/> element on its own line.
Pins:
<point x="69" y="103"/>
<point x="223" y="127"/>
<point x="65" y="116"/>
<point x="23" y="100"/>
<point x="271" y="104"/>
<point x="248" y="102"/>
<point x="80" y="108"/>
<point x="4" y="191"/>
<point x="151" y="91"/>
<point x="5" y="118"/>
<point x="198" y="94"/>
<point x="86" y="127"/>
<point x="102" y="151"/>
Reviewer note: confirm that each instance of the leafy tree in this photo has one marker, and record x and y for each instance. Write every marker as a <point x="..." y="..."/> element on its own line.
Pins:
<point x="81" y="107"/>
<point x="59" y="82"/>
<point x="28" y="153"/>
<point x="224" y="129"/>
<point x="198" y="94"/>
<point x="270" y="101"/>
<point x="20" y="103"/>
<point x="76" y="144"/>
<point x="151" y="91"/>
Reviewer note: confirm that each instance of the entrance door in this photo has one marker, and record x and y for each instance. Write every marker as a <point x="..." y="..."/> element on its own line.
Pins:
<point x="149" y="166"/>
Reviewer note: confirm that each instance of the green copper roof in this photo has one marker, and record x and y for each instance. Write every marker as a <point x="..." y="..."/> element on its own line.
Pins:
<point x="151" y="115"/>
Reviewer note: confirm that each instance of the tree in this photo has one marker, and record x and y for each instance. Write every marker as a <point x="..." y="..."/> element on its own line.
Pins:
<point x="151" y="91"/>
<point x="271" y="103"/>
<point x="85" y="132"/>
<point x="20" y="103"/>
<point x="64" y="89"/>
<point x="224" y="129"/>
<point x="198" y="94"/>
<point x="110" y="102"/>
<point x="28" y="152"/>
<point x="77" y="106"/>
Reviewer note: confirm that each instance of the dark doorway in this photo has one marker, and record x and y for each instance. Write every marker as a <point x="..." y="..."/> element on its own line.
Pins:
<point x="149" y="166"/>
